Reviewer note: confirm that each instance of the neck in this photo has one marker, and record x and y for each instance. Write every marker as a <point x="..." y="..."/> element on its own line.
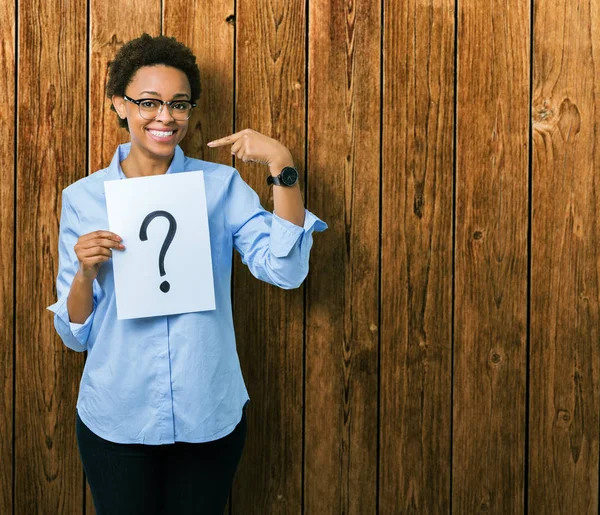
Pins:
<point x="139" y="164"/>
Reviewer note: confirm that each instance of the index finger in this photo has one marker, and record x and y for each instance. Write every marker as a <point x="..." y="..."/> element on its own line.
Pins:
<point x="102" y="234"/>
<point x="225" y="141"/>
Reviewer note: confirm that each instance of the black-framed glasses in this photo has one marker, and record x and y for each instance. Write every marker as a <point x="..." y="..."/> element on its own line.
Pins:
<point x="150" y="108"/>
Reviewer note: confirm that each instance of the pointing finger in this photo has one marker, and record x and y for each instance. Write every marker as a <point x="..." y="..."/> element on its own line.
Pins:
<point x="232" y="138"/>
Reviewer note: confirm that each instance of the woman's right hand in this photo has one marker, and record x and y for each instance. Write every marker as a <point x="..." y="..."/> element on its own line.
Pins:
<point x="93" y="249"/>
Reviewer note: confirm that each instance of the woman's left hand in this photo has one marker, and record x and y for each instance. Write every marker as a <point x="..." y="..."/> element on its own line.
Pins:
<point x="253" y="147"/>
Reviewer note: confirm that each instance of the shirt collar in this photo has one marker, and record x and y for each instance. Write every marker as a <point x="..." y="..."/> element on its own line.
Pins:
<point x="114" y="171"/>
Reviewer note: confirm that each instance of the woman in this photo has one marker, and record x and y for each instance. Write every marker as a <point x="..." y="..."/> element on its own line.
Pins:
<point x="160" y="419"/>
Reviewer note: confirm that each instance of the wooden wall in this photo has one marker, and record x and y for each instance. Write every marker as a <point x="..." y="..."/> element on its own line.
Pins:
<point x="443" y="354"/>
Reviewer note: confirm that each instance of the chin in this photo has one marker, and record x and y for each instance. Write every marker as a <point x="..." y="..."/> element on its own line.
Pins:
<point x="162" y="150"/>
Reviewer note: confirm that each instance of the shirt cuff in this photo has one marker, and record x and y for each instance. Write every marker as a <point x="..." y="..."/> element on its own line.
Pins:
<point x="79" y="331"/>
<point x="285" y="234"/>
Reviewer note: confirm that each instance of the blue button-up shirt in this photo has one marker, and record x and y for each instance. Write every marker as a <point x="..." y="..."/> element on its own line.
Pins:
<point x="157" y="380"/>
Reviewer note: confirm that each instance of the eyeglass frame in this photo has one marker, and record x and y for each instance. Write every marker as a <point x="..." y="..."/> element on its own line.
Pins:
<point x="162" y="104"/>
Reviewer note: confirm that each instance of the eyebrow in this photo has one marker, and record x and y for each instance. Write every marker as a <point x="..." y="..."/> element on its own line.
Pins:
<point x="178" y="95"/>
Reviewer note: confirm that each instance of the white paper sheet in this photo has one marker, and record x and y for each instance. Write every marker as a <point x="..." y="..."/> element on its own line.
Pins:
<point x="187" y="261"/>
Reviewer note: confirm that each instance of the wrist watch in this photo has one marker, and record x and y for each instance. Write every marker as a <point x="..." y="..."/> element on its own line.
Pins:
<point x="288" y="177"/>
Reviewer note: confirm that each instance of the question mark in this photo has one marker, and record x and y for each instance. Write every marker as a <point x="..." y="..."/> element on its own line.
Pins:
<point x="165" y="286"/>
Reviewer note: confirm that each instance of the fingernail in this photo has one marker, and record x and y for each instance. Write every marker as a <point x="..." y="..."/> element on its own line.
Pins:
<point x="210" y="144"/>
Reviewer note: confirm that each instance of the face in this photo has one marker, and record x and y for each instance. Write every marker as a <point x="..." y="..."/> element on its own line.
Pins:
<point x="160" y="136"/>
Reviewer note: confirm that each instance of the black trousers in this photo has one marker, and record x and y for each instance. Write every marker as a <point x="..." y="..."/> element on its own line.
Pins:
<point x="172" y="479"/>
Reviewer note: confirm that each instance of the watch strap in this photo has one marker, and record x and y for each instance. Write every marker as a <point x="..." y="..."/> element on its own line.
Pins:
<point x="273" y="180"/>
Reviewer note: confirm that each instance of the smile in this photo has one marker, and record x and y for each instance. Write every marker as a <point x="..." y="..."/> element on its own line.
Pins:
<point x="160" y="135"/>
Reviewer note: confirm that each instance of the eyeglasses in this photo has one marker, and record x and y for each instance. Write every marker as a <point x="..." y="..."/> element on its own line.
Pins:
<point x="150" y="108"/>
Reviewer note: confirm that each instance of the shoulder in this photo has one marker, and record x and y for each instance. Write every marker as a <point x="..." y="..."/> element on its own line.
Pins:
<point x="91" y="185"/>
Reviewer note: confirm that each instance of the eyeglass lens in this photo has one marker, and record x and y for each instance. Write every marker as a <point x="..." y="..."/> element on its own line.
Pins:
<point x="181" y="110"/>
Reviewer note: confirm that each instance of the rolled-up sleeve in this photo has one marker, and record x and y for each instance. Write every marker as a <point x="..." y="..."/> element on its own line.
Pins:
<point x="275" y="250"/>
<point x="73" y="335"/>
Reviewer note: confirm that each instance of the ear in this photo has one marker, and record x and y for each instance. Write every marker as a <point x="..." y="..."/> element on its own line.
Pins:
<point x="119" y="105"/>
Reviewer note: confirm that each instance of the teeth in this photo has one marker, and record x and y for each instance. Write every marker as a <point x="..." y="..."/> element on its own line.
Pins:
<point x="161" y="134"/>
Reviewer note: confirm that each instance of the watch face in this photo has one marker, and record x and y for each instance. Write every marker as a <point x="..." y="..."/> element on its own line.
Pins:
<point x="289" y="176"/>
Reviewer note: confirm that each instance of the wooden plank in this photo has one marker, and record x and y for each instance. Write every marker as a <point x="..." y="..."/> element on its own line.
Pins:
<point x="491" y="257"/>
<point x="565" y="259"/>
<point x="208" y="29"/>
<point x="342" y="333"/>
<point x="416" y="270"/>
<point x="107" y="35"/>
<point x="7" y="220"/>
<point x="112" y="24"/>
<point x="50" y="155"/>
<point x="270" y="82"/>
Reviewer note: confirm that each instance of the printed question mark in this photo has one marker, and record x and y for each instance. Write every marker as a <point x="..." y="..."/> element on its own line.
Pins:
<point x="165" y="286"/>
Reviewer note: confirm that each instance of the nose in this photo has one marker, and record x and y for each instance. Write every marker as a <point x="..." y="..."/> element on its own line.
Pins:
<point x="165" y="115"/>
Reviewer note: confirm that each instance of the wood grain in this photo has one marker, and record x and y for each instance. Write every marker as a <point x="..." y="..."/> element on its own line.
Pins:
<point x="342" y="332"/>
<point x="565" y="259"/>
<point x="412" y="396"/>
<point x="416" y="270"/>
<point x="50" y="155"/>
<point x="7" y="257"/>
<point x="270" y="82"/>
<point x="490" y="334"/>
<point x="208" y="29"/>
<point x="112" y="25"/>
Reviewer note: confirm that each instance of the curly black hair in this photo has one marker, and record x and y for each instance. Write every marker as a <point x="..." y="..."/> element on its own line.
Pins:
<point x="150" y="51"/>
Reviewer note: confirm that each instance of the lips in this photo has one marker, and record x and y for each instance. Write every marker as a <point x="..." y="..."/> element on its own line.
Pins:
<point x="162" y="135"/>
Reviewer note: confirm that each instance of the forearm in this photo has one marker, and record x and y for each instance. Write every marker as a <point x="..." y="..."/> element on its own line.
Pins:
<point x="80" y="302"/>
<point x="287" y="201"/>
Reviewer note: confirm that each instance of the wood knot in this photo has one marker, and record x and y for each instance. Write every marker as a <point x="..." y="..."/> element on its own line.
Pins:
<point x="495" y="358"/>
<point x="563" y="419"/>
<point x="543" y="113"/>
